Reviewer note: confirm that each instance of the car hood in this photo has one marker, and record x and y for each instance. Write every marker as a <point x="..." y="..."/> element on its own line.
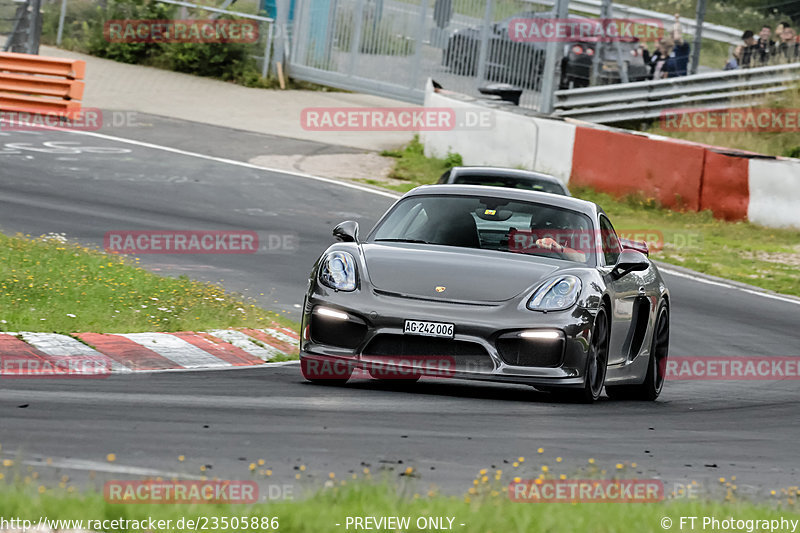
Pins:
<point x="467" y="275"/>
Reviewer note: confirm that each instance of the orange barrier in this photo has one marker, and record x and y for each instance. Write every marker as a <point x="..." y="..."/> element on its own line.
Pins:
<point x="40" y="85"/>
<point x="625" y="163"/>
<point x="725" y="186"/>
<point x="73" y="69"/>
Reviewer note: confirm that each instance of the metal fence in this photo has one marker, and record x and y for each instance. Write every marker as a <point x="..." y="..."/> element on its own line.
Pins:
<point x="390" y="47"/>
<point x="716" y="90"/>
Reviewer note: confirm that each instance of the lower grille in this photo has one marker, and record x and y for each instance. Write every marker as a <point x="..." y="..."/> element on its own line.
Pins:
<point x="528" y="352"/>
<point x="467" y="356"/>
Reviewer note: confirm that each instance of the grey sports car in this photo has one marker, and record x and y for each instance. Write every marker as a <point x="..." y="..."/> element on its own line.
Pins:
<point x="494" y="284"/>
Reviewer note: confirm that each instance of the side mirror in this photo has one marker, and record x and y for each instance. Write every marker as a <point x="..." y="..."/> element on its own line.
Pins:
<point x="347" y="231"/>
<point x="630" y="261"/>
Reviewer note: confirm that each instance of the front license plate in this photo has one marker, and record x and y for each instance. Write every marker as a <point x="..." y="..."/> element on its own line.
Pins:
<point x="429" y="329"/>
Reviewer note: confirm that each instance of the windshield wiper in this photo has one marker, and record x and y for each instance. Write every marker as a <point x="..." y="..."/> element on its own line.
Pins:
<point x="416" y="241"/>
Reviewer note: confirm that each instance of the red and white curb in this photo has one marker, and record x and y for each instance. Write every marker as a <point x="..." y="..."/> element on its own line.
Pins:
<point x="148" y="352"/>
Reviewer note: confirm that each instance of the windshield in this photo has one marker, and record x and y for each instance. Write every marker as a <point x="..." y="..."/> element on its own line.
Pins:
<point x="489" y="224"/>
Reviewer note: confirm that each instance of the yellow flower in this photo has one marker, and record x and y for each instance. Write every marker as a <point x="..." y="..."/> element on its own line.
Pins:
<point x="111" y="458"/>
<point x="540" y="450"/>
<point x="252" y="466"/>
<point x="181" y="458"/>
<point x="591" y="460"/>
<point x="545" y="468"/>
<point x="261" y="462"/>
<point x="558" y="459"/>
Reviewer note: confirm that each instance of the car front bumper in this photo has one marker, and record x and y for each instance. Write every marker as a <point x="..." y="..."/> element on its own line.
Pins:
<point x="366" y="332"/>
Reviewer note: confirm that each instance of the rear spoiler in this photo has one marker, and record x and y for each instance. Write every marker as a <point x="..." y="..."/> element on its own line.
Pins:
<point x="639" y="246"/>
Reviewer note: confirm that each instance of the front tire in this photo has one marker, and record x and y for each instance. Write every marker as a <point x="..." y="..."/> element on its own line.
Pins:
<point x="596" y="364"/>
<point x="656" y="373"/>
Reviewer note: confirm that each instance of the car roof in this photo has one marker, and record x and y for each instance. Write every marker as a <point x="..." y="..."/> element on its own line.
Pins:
<point x="507" y="172"/>
<point x="556" y="200"/>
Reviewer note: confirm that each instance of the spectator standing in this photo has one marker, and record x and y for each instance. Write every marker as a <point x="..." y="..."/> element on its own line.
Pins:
<point x="789" y="48"/>
<point x="749" y="49"/>
<point x="765" y="47"/>
<point x="677" y="63"/>
<point x="671" y="57"/>
<point x="657" y="59"/>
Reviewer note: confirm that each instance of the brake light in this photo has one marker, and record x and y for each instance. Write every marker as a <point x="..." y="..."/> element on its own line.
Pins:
<point x="590" y="51"/>
<point x="577" y="50"/>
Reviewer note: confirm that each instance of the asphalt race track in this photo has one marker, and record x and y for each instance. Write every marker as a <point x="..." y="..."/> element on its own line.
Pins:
<point x="85" y="185"/>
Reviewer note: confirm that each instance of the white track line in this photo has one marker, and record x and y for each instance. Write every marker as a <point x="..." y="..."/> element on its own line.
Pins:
<point x="99" y="466"/>
<point x="724" y="285"/>
<point x="230" y="161"/>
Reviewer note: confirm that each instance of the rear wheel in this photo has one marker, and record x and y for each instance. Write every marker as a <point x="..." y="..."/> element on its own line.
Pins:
<point x="653" y="383"/>
<point x="596" y="364"/>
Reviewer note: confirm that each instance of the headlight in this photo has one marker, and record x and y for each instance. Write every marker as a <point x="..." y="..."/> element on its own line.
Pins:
<point x="556" y="295"/>
<point x="338" y="271"/>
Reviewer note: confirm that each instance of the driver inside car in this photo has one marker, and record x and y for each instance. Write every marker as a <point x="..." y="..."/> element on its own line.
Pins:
<point x="551" y="221"/>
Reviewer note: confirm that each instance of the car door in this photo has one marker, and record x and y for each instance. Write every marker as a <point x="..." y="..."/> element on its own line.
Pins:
<point x="624" y="294"/>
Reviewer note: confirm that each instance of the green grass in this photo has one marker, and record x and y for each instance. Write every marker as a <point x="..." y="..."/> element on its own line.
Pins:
<point x="320" y="512"/>
<point x="740" y="251"/>
<point x="54" y="286"/>
<point x="764" y="257"/>
<point x="785" y="143"/>
<point x="414" y="168"/>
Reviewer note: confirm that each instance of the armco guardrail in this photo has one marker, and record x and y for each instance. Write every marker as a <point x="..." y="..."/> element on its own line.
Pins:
<point x="40" y="85"/>
<point x="715" y="32"/>
<point x="649" y="99"/>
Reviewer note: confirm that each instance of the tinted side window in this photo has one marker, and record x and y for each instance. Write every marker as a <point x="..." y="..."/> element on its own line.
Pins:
<point x="611" y="246"/>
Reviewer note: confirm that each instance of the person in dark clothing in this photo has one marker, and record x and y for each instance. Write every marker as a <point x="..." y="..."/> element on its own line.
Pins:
<point x="671" y="57"/>
<point x="748" y="51"/>
<point x="765" y="46"/>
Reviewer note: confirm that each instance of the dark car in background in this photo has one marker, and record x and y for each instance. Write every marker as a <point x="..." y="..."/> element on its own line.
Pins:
<point x="522" y="63"/>
<point x="505" y="177"/>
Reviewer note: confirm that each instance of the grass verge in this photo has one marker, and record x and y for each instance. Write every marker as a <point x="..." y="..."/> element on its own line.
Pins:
<point x="325" y="509"/>
<point x="47" y="284"/>
<point x="740" y="251"/>
<point x="779" y="143"/>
